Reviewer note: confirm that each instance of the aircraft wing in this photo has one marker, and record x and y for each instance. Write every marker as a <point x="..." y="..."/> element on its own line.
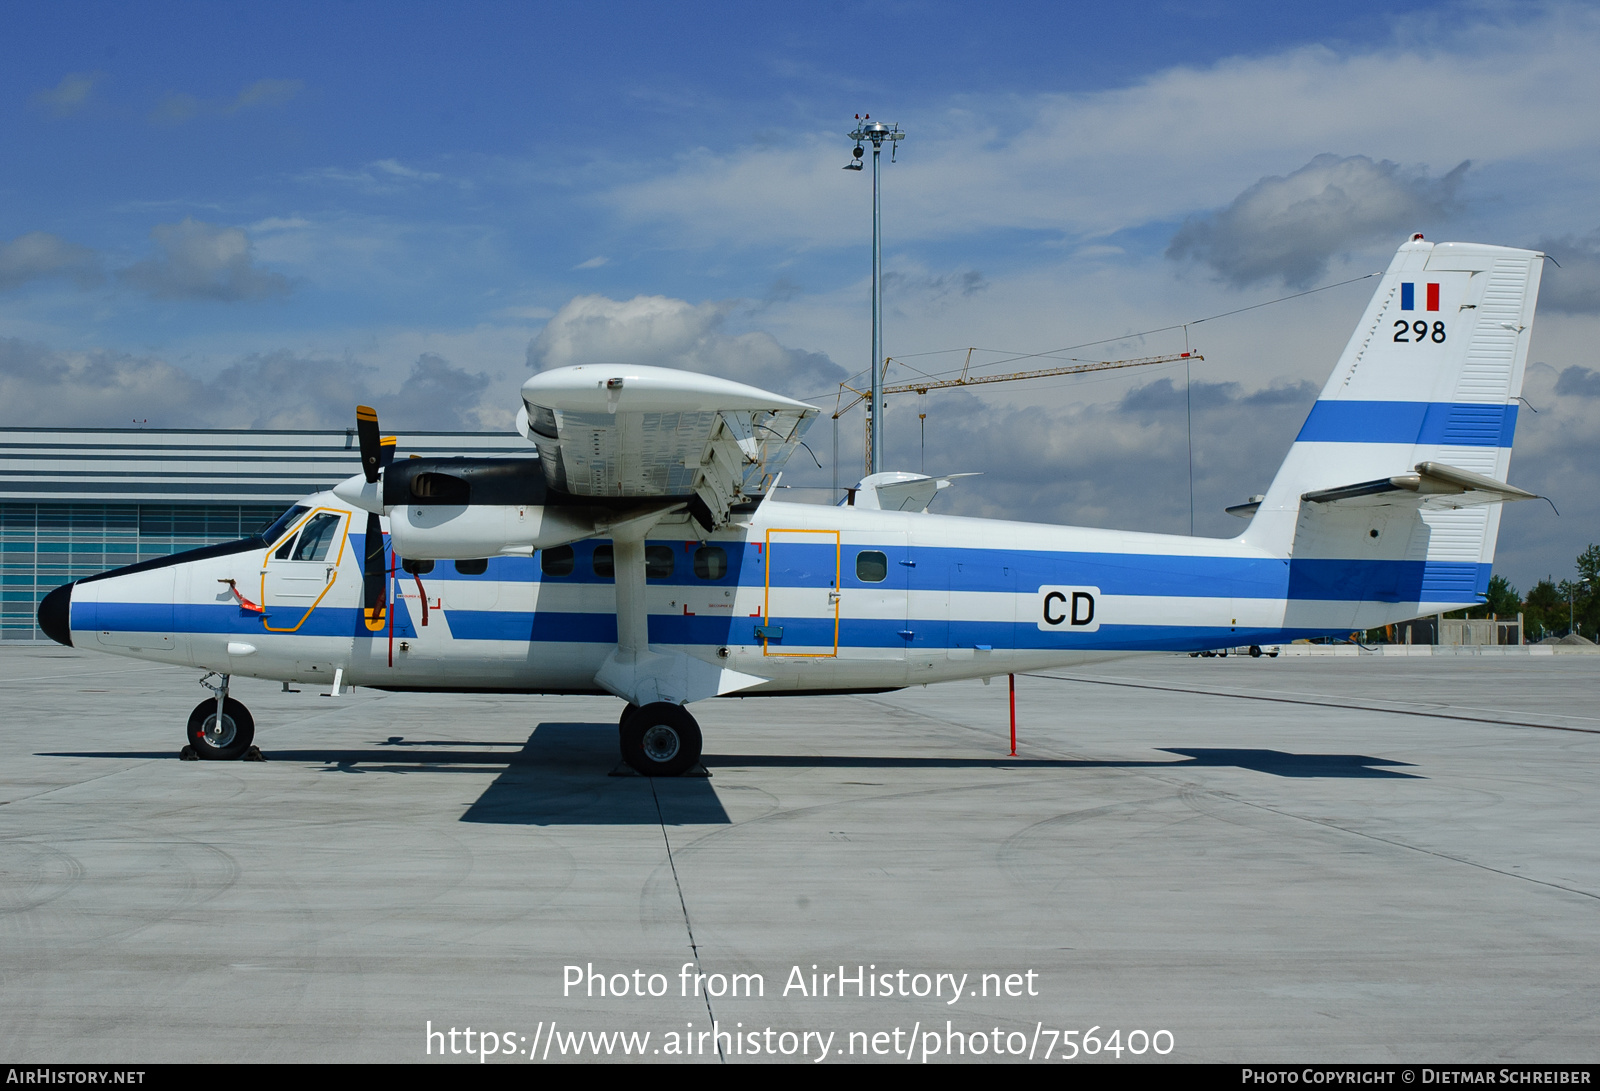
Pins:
<point x="616" y="430"/>
<point x="1429" y="485"/>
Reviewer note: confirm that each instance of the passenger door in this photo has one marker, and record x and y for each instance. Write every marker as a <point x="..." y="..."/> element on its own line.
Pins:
<point x="800" y="612"/>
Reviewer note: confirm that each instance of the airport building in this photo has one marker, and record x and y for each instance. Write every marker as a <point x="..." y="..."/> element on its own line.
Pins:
<point x="76" y="501"/>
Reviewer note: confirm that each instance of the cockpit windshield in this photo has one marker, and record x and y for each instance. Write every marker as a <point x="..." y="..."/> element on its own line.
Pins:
<point x="282" y="523"/>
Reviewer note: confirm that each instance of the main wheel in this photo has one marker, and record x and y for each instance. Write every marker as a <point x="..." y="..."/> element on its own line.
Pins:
<point x="660" y="740"/>
<point x="1255" y="651"/>
<point x="226" y="741"/>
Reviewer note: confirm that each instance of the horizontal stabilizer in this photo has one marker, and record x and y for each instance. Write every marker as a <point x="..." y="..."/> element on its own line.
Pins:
<point x="899" y="490"/>
<point x="1430" y="484"/>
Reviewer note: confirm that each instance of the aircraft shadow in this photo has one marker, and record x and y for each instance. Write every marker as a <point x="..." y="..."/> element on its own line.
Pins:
<point x="1275" y="762"/>
<point x="1282" y="764"/>
<point x="559" y="776"/>
<point x="584" y="749"/>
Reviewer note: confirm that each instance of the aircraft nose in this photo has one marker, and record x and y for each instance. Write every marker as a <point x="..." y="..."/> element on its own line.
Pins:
<point x="55" y="615"/>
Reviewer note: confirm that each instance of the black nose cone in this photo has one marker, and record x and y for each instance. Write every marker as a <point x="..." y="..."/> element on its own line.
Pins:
<point x="55" y="615"/>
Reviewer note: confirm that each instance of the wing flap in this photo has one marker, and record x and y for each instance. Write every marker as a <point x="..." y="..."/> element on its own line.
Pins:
<point x="618" y="431"/>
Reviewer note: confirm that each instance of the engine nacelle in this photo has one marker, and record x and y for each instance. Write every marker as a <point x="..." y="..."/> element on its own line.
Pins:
<point x="464" y="509"/>
<point x="437" y="532"/>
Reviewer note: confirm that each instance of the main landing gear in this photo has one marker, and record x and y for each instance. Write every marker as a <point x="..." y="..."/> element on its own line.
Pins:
<point x="659" y="740"/>
<point x="220" y="728"/>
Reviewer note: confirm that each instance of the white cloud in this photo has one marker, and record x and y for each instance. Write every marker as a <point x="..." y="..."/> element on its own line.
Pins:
<point x="45" y="387"/>
<point x="593" y="263"/>
<point x="1499" y="90"/>
<point x="177" y="107"/>
<point x="70" y="95"/>
<point x="378" y="176"/>
<point x="203" y="261"/>
<point x="396" y="169"/>
<point x="266" y="93"/>
<point x="38" y="254"/>
<point x="279" y="223"/>
<point x="1290" y="227"/>
<point x="663" y="332"/>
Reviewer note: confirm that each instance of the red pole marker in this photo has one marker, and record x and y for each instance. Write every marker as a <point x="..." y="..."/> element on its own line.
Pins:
<point x="394" y="596"/>
<point x="1013" y="679"/>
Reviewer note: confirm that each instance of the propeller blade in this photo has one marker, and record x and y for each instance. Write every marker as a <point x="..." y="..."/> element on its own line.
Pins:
<point x="372" y="599"/>
<point x="367" y="434"/>
<point x="386" y="451"/>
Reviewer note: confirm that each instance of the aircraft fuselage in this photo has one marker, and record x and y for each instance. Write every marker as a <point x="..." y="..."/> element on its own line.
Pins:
<point x="811" y="598"/>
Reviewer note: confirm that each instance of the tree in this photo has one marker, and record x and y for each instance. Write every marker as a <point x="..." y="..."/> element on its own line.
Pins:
<point x="1586" y="602"/>
<point x="1502" y="600"/>
<point x="1545" y="610"/>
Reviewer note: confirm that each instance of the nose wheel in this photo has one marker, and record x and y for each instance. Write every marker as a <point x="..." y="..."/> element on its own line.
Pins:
<point x="659" y="740"/>
<point x="224" y="738"/>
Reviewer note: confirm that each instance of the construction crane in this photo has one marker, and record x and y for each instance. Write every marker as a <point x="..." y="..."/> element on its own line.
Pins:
<point x="922" y="386"/>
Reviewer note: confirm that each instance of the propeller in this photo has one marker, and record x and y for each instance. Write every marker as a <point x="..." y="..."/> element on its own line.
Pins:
<point x="371" y="445"/>
<point x="376" y="453"/>
<point x="374" y="604"/>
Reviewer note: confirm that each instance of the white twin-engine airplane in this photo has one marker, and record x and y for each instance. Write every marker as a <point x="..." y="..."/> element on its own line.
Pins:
<point x="642" y="553"/>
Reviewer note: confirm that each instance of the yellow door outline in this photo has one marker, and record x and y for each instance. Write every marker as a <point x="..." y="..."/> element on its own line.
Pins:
<point x="834" y="592"/>
<point x="333" y="578"/>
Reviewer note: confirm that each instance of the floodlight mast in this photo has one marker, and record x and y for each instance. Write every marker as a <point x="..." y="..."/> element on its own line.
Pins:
<point x="877" y="132"/>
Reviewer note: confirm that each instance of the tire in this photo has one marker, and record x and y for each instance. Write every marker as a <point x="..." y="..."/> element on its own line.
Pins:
<point x="1255" y="651"/>
<point x="660" y="740"/>
<point x="238" y="730"/>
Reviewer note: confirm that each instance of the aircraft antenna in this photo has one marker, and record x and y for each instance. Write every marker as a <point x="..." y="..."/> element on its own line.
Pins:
<point x="878" y="133"/>
<point x="922" y="386"/>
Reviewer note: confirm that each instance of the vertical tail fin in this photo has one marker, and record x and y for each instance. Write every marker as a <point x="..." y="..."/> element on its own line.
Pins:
<point x="1432" y="374"/>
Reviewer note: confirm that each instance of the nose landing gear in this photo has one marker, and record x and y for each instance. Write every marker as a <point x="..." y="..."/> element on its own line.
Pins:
<point x="220" y="729"/>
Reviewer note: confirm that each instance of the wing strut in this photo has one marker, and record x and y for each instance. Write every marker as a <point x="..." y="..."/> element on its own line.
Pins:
<point x="636" y="672"/>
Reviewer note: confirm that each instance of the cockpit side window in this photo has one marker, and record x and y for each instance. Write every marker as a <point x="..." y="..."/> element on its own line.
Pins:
<point x="317" y="538"/>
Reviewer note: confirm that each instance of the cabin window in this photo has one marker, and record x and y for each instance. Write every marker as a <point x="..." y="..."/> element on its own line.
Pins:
<point x="871" y="566"/>
<point x="417" y="568"/>
<point x="473" y="568"/>
<point x="557" y="561"/>
<point x="710" y="562"/>
<point x="604" y="563"/>
<point x="658" y="562"/>
<point x="317" y="538"/>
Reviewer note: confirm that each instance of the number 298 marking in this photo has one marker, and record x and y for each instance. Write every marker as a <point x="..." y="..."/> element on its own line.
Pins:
<point x="1403" y="331"/>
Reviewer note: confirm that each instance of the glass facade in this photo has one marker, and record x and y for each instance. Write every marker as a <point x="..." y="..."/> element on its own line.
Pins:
<point x="43" y="546"/>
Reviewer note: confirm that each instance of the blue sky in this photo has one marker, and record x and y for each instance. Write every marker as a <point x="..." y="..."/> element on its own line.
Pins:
<point x="255" y="215"/>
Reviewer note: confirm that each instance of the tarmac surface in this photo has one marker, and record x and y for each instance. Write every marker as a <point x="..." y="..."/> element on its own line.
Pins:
<point x="1274" y="860"/>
